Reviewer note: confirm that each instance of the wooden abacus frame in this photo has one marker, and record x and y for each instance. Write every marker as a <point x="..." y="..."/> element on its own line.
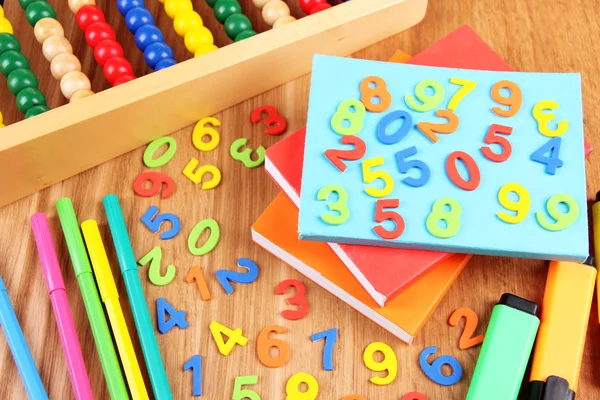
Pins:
<point x="63" y="142"/>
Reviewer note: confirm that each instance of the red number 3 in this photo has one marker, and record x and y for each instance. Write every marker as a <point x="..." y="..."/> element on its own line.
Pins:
<point x="297" y="300"/>
<point x="275" y="122"/>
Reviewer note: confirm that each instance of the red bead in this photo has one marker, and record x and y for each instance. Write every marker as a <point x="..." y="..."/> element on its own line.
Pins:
<point x="97" y="32"/>
<point x="87" y="15"/>
<point x="123" y="79"/>
<point x="319" y="7"/>
<point x="115" y="68"/>
<point x="106" y="50"/>
<point x="307" y="5"/>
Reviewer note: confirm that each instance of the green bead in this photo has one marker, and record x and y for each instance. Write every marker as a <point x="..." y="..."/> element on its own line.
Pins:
<point x="244" y="35"/>
<point x="25" y="3"/>
<point x="21" y="79"/>
<point x="37" y="10"/>
<point x="8" y="42"/>
<point x="225" y="8"/>
<point x="235" y="24"/>
<point x="36" y="110"/>
<point x="11" y="60"/>
<point x="28" y="98"/>
<point x="211" y="3"/>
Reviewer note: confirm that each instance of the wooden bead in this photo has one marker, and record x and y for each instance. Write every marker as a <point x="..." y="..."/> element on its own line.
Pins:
<point x="80" y="94"/>
<point x="107" y="49"/>
<point x="29" y="97"/>
<point x="175" y="7"/>
<point x="75" y="5"/>
<point x="196" y="37"/>
<point x="87" y="15"/>
<point x="260" y="3"/>
<point x="47" y="27"/>
<point x="274" y="10"/>
<point x="283" y="21"/>
<point x="63" y="64"/>
<point x="123" y="79"/>
<point x="39" y="10"/>
<point x="5" y="26"/>
<point x="185" y="21"/>
<point x="235" y="24"/>
<point x="55" y="45"/>
<point x="97" y="32"/>
<point x="204" y="49"/>
<point x="224" y="8"/>
<point x="74" y="81"/>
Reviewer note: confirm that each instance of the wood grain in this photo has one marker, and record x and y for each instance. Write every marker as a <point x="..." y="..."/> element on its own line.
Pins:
<point x="530" y="35"/>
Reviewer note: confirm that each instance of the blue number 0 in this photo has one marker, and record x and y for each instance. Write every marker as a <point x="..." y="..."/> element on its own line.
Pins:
<point x="386" y="121"/>
<point x="552" y="161"/>
<point x="225" y="276"/>
<point x="154" y="224"/>
<point x="434" y="370"/>
<point x="404" y="166"/>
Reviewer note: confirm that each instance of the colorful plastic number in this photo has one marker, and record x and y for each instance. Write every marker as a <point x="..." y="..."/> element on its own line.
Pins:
<point x="177" y="318"/>
<point x="451" y="218"/>
<point x="374" y="87"/>
<point x="429" y="129"/>
<point x="330" y="337"/>
<point x="195" y="364"/>
<point x="245" y="394"/>
<point x="389" y="362"/>
<point x="195" y="274"/>
<point x="369" y="176"/>
<point x="466" y="340"/>
<point x="348" y="118"/>
<point x="153" y="221"/>
<point x="414" y="396"/>
<point x="472" y="168"/>
<point x="336" y="156"/>
<point x="405" y="166"/>
<point x="196" y="176"/>
<point x="521" y="206"/>
<point x="434" y="370"/>
<point x="275" y="122"/>
<point x="165" y="157"/>
<point x="233" y="337"/>
<point x="552" y="162"/>
<point x="299" y="299"/>
<point x="544" y="118"/>
<point x="246" y="156"/>
<point x="492" y="138"/>
<point x="513" y="101"/>
<point x="563" y="220"/>
<point x="292" y="388"/>
<point x="264" y="345"/>
<point x="429" y="101"/>
<point x="210" y="243"/>
<point x="159" y="182"/>
<point x="381" y="215"/>
<point x="201" y="130"/>
<point x="225" y="276"/>
<point x="154" y="257"/>
<point x="340" y="205"/>
<point x="389" y="119"/>
<point x="466" y="87"/>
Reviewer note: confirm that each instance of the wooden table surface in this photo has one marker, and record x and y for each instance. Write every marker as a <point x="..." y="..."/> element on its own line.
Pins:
<point x="531" y="35"/>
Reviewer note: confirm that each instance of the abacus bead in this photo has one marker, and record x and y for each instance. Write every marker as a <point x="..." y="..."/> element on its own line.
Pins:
<point x="319" y="7"/>
<point x="125" y="5"/>
<point x="185" y="21"/>
<point x="11" y="60"/>
<point x="74" y="81"/>
<point x="97" y="32"/>
<point x="80" y="94"/>
<point x="47" y="27"/>
<point x="306" y="5"/>
<point x="1" y="16"/>
<point x="5" y="26"/>
<point x="211" y="3"/>
<point x="106" y="50"/>
<point x="244" y="35"/>
<point x="146" y="35"/>
<point x="283" y="21"/>
<point x="54" y="46"/>
<point x="38" y="10"/>
<point x="8" y="42"/>
<point x="36" y="110"/>
<point x="75" y="5"/>
<point x="20" y="79"/>
<point x="157" y="51"/>
<point x="174" y="7"/>
<point x="260" y="3"/>
<point x="25" y="3"/>
<point x="117" y="67"/>
<point x="274" y="10"/>
<point x="225" y="8"/>
<point x="137" y="17"/>
<point x="63" y="64"/>
<point x="196" y="37"/>
<point x="235" y="24"/>
<point x="123" y="79"/>
<point x="87" y="15"/>
<point x="164" y="63"/>
<point x="29" y="97"/>
<point x="204" y="49"/>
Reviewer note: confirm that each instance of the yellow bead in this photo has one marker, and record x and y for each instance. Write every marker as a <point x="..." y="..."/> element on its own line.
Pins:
<point x="74" y="81"/>
<point x="1" y="117"/>
<point x="5" y="26"/>
<point x="185" y="21"/>
<point x="205" y="48"/>
<point x="1" y="12"/>
<point x="176" y="7"/>
<point x="274" y="10"/>
<point x="75" y="5"/>
<point x="260" y="3"/>
<point x="63" y="64"/>
<point x="196" y="37"/>
<point x="47" y="27"/>
<point x="80" y="94"/>
<point x="54" y="46"/>
<point x="283" y="21"/>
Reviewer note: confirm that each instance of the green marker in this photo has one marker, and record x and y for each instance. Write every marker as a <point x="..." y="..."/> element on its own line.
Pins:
<point x="91" y="298"/>
<point x="506" y="349"/>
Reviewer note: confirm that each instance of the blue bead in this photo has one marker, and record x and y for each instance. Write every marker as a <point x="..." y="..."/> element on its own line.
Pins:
<point x="137" y="17"/>
<point x="155" y="52"/>
<point x="147" y="34"/>
<point x="126" y="5"/>
<point x="164" y="63"/>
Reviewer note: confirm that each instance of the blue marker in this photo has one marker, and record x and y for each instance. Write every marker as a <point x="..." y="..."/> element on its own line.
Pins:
<point x="18" y="346"/>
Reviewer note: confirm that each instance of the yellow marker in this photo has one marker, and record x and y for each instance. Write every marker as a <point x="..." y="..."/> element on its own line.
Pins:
<point x="596" y="226"/>
<point x="110" y="298"/>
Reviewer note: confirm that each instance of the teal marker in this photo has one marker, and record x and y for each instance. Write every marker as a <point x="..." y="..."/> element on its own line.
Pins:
<point x="137" y="301"/>
<point x="506" y="349"/>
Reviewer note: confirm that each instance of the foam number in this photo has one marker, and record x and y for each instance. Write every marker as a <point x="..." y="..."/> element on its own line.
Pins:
<point x="521" y="206"/>
<point x="434" y="370"/>
<point x="298" y="299"/>
<point x="245" y="394"/>
<point x="450" y="217"/>
<point x="195" y="274"/>
<point x="429" y="129"/>
<point x="195" y="364"/>
<point x="177" y="318"/>
<point x="465" y="88"/>
<point x="330" y="336"/>
<point x="429" y="101"/>
<point x="466" y="340"/>
<point x="151" y="162"/>
<point x="544" y="118"/>
<point x="210" y="243"/>
<point x="369" y="176"/>
<point x="197" y="175"/>
<point x="385" y="122"/>
<point x="154" y="257"/>
<point x="552" y="162"/>
<point x="292" y="387"/>
<point x="225" y="276"/>
<point x="158" y="180"/>
<point x="233" y="337"/>
<point x="492" y="138"/>
<point x="153" y="220"/>
<point x="404" y="166"/>
<point x="201" y="130"/>
<point x="381" y="215"/>
<point x="374" y="87"/>
<point x="348" y="118"/>
<point x="470" y="165"/>
<point x="513" y="101"/>
<point x="414" y="396"/>
<point x="339" y="206"/>
<point x="276" y="123"/>
<point x="246" y="156"/>
<point x="336" y="156"/>
<point x="563" y="220"/>
<point x="389" y="362"/>
<point x="264" y="344"/>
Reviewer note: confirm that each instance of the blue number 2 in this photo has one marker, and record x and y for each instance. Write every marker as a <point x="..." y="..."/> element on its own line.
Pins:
<point x="552" y="162"/>
<point x="154" y="224"/>
<point x="386" y="121"/>
<point x="195" y="363"/>
<point x="404" y="166"/>
<point x="330" y="337"/>
<point x="225" y="276"/>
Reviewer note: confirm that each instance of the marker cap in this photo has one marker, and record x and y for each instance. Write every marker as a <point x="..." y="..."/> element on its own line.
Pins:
<point x="555" y="388"/>
<point x="518" y="303"/>
<point x="47" y="252"/>
<point x="70" y="226"/>
<point x="101" y="266"/>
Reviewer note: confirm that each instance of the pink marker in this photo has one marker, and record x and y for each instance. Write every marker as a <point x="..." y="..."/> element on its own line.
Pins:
<point x="60" y="305"/>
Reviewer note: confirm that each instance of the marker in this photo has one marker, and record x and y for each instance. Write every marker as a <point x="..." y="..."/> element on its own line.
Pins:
<point x="62" y="312"/>
<point x="19" y="349"/>
<point x="137" y="301"/>
<point x="110" y="298"/>
<point x="506" y="349"/>
<point x="596" y="228"/>
<point x="561" y="338"/>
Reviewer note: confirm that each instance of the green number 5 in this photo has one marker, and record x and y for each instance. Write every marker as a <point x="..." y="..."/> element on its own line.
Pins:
<point x="340" y="206"/>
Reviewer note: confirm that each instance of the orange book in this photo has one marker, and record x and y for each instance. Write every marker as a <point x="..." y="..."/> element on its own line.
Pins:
<point x="277" y="231"/>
